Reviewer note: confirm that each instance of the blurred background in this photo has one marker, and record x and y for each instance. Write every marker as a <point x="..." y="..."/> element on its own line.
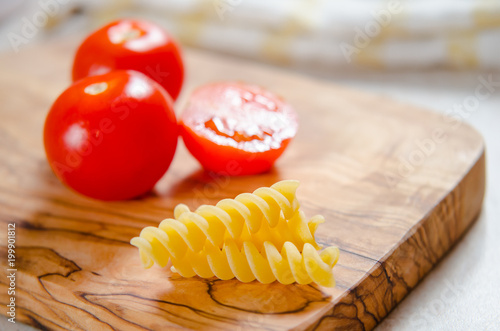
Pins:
<point x="429" y="53"/>
<point x="316" y="35"/>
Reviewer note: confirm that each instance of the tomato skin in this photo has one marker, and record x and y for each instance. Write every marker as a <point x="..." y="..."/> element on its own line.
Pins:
<point x="132" y="45"/>
<point x="112" y="136"/>
<point x="226" y="160"/>
<point x="243" y="112"/>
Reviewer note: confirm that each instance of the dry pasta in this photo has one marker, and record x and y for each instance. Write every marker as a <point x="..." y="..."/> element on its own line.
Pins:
<point x="242" y="238"/>
<point x="248" y="214"/>
<point x="247" y="264"/>
<point x="159" y="245"/>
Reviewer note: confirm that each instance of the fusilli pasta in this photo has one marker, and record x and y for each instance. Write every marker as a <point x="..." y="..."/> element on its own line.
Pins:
<point x="242" y="238"/>
<point x="247" y="264"/>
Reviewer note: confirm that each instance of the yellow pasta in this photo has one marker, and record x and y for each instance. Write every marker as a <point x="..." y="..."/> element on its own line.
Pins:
<point x="165" y="242"/>
<point x="245" y="216"/>
<point x="248" y="263"/>
<point x="242" y="238"/>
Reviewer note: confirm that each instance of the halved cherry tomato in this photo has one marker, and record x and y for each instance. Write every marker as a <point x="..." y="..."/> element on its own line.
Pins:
<point x="132" y="44"/>
<point x="111" y="136"/>
<point x="237" y="129"/>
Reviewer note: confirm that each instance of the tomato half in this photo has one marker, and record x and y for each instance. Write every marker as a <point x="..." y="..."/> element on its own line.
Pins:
<point x="111" y="136"/>
<point x="237" y="129"/>
<point x="132" y="44"/>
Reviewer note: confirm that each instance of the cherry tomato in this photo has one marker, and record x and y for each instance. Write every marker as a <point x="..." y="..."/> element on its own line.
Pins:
<point x="237" y="129"/>
<point x="132" y="44"/>
<point x="111" y="136"/>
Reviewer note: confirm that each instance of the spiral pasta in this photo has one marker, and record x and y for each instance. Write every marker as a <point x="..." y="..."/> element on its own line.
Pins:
<point x="248" y="263"/>
<point x="246" y="214"/>
<point x="242" y="238"/>
<point x="165" y="242"/>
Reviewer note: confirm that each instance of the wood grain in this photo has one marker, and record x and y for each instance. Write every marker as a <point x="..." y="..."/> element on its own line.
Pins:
<point x="397" y="195"/>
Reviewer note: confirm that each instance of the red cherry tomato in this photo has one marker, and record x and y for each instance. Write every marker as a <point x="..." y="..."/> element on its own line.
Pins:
<point x="132" y="44"/>
<point x="237" y="129"/>
<point x="111" y="136"/>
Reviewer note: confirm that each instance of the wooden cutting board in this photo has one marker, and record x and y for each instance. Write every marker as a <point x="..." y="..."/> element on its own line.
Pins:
<point x="397" y="185"/>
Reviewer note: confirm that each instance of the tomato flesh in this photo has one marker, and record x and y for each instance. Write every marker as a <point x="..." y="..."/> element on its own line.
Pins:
<point x="132" y="45"/>
<point x="237" y="129"/>
<point x="111" y="136"/>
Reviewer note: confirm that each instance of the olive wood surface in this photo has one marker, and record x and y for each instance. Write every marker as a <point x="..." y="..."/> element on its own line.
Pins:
<point x="398" y="187"/>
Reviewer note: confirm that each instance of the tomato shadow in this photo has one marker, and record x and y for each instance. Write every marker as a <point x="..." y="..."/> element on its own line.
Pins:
<point x="204" y="187"/>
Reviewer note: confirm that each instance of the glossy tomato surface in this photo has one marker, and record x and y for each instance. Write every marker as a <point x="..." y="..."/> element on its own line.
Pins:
<point x="111" y="136"/>
<point x="237" y="129"/>
<point x="135" y="45"/>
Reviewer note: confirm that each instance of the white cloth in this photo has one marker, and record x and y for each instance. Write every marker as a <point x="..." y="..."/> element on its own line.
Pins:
<point x="327" y="35"/>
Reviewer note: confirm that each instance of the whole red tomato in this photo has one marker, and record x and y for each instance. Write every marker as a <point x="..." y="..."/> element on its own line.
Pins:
<point x="111" y="136"/>
<point x="237" y="129"/>
<point x="132" y="44"/>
